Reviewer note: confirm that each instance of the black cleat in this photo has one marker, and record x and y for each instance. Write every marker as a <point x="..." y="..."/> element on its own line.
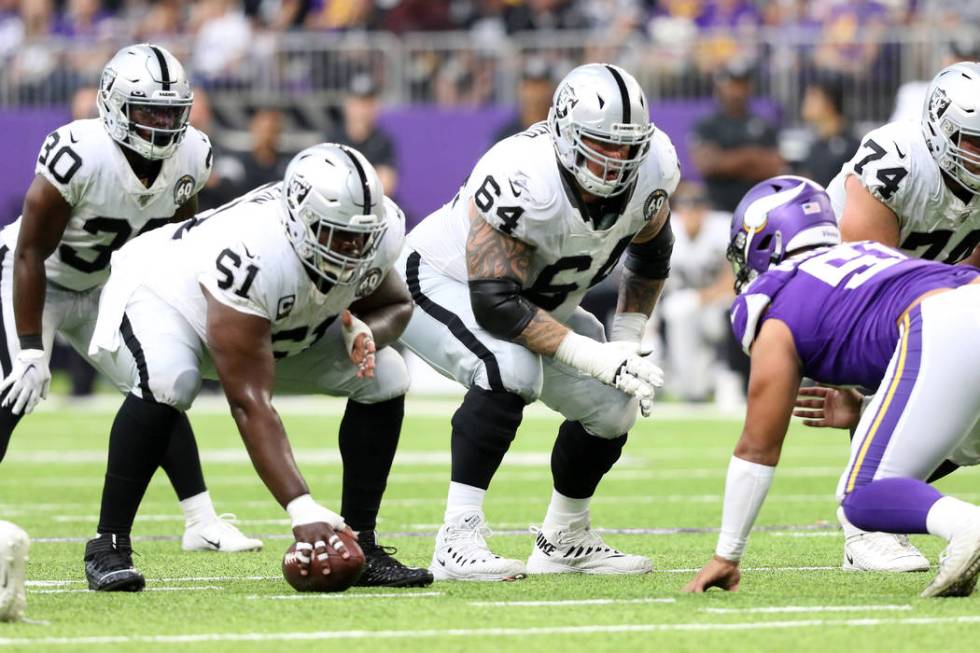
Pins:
<point x="382" y="570"/>
<point x="109" y="565"/>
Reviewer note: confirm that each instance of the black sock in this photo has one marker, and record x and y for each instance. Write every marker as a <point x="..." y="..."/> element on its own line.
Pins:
<point x="945" y="468"/>
<point x="182" y="462"/>
<point x="140" y="434"/>
<point x="368" y="439"/>
<point x="483" y="428"/>
<point x="8" y="422"/>
<point x="579" y="460"/>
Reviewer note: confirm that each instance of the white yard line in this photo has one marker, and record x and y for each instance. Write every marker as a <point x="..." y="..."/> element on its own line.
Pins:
<point x="482" y="632"/>
<point x="808" y="608"/>
<point x="191" y="588"/>
<point x="344" y="596"/>
<point x="569" y="602"/>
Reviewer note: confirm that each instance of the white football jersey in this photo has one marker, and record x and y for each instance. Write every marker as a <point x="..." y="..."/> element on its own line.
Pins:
<point x="110" y="205"/>
<point x="518" y="188"/>
<point x="895" y="165"/>
<point x="240" y="253"/>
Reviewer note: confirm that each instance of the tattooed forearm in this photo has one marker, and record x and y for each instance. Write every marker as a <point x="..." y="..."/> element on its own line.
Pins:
<point x="493" y="255"/>
<point x="543" y="334"/>
<point x="638" y="294"/>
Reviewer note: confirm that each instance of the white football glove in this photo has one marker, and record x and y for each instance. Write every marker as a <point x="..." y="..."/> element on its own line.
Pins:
<point x="615" y="364"/>
<point x="28" y="381"/>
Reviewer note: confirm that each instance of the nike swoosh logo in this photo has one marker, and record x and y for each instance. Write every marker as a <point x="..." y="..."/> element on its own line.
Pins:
<point x="513" y="188"/>
<point x="216" y="545"/>
<point x="850" y="560"/>
<point x="441" y="561"/>
<point x="901" y="155"/>
<point x="247" y="253"/>
<point x="71" y="137"/>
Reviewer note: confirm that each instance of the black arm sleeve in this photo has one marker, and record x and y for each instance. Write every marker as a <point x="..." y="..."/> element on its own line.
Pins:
<point x="652" y="258"/>
<point x="499" y="307"/>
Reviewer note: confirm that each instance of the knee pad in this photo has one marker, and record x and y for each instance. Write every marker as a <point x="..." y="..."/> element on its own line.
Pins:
<point x="483" y="428"/>
<point x="612" y="416"/>
<point x="179" y="391"/>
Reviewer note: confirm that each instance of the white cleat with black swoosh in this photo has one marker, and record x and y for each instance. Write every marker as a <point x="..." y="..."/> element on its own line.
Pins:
<point x="578" y="549"/>
<point x="220" y="534"/>
<point x="462" y="553"/>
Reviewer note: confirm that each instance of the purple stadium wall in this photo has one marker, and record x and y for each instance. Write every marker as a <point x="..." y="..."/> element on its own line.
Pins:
<point x="436" y="147"/>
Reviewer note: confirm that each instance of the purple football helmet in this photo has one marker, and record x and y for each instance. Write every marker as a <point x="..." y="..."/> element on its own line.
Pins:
<point x="780" y="215"/>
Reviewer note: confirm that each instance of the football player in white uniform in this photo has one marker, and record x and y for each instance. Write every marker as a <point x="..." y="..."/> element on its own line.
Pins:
<point x="498" y="274"/>
<point x="299" y="271"/>
<point x="914" y="187"/>
<point x="99" y="183"/>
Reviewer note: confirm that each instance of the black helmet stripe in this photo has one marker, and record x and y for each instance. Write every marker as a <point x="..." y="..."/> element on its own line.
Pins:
<point x="364" y="181"/>
<point x="164" y="70"/>
<point x="623" y="93"/>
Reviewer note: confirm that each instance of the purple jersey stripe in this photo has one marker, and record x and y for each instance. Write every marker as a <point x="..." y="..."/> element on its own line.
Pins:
<point x="900" y="386"/>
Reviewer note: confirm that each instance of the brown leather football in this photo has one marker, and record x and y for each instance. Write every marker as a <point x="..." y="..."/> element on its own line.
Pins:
<point x="343" y="573"/>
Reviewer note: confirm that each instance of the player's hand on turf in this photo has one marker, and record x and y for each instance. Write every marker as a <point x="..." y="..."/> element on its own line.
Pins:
<point x="313" y="540"/>
<point x="719" y="572"/>
<point x="360" y="344"/>
<point x="826" y="407"/>
<point x="28" y="382"/>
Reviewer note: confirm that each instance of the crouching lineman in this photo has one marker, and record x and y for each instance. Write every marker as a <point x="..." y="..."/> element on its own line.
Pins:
<point x="498" y="274"/>
<point x="298" y="271"/>
<point x="904" y="326"/>
<point x="97" y="184"/>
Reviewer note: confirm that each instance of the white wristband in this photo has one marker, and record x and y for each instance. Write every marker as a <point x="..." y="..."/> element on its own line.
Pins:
<point x="304" y="510"/>
<point x="745" y="490"/>
<point x="628" y="327"/>
<point x="356" y="328"/>
<point x="579" y="352"/>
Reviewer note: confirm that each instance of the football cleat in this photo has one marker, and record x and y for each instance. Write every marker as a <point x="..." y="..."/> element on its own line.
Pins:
<point x="109" y="565"/>
<point x="221" y="534"/>
<point x="579" y="549"/>
<point x="381" y="569"/>
<point x="462" y="553"/>
<point x="14" y="544"/>
<point x="959" y="565"/>
<point x="882" y="552"/>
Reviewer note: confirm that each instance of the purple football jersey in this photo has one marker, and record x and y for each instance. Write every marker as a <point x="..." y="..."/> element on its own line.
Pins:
<point x="842" y="305"/>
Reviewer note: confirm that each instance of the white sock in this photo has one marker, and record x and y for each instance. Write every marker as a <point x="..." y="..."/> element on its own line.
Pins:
<point x="564" y="511"/>
<point x="948" y="515"/>
<point x="463" y="498"/>
<point x="198" y="509"/>
<point x="849" y="528"/>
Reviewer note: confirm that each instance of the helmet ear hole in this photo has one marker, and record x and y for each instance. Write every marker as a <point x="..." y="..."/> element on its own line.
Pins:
<point x="765" y="242"/>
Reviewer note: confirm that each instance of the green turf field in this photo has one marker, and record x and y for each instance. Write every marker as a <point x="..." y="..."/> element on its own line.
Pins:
<point x="671" y="477"/>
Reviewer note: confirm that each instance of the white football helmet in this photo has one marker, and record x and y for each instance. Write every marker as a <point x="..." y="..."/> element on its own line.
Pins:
<point x="145" y="100"/>
<point x="600" y="102"/>
<point x="950" y="114"/>
<point x="333" y="211"/>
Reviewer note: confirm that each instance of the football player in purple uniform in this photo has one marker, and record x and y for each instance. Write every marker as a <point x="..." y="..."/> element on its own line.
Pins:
<point x="858" y="314"/>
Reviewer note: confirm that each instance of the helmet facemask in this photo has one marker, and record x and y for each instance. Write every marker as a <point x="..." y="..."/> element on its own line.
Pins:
<point x="614" y="174"/>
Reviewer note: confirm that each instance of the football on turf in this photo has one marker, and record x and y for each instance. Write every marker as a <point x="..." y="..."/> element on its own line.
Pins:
<point x="343" y="573"/>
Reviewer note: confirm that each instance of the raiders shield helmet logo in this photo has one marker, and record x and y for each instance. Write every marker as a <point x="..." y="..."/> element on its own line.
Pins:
<point x="183" y="190"/>
<point x="371" y="280"/>
<point x="653" y="203"/>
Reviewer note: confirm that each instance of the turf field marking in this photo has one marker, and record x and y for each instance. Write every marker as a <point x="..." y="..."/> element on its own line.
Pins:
<point x="343" y="596"/>
<point x="535" y="604"/>
<point x="807" y="608"/>
<point x="191" y="588"/>
<point x="218" y="579"/>
<point x="482" y="632"/>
